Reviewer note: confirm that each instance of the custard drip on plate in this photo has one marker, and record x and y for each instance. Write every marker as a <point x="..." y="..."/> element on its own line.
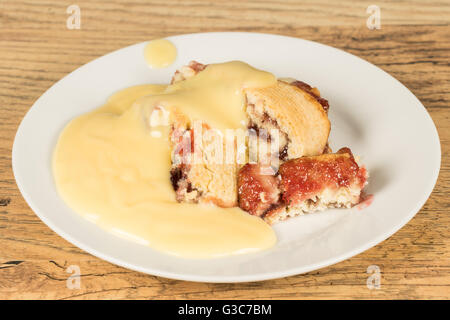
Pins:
<point x="160" y="53"/>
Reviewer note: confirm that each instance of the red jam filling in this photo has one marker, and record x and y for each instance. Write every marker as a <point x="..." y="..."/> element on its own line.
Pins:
<point x="302" y="178"/>
<point x="252" y="185"/>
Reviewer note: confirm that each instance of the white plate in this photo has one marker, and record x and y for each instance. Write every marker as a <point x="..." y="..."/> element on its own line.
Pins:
<point x="370" y="111"/>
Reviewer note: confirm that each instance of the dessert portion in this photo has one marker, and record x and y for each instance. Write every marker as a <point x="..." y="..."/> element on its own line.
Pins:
<point x="118" y="165"/>
<point x="289" y="121"/>
<point x="302" y="185"/>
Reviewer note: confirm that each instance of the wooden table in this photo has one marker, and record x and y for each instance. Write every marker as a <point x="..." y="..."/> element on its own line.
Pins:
<point x="37" y="49"/>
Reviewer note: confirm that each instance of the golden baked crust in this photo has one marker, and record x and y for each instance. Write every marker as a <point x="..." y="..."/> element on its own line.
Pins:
<point x="298" y="114"/>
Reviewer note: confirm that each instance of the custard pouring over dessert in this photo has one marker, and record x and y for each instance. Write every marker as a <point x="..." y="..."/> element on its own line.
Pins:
<point x="201" y="167"/>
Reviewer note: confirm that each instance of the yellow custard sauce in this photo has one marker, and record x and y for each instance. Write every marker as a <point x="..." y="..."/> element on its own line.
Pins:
<point x="160" y="53"/>
<point x="113" y="167"/>
<point x="214" y="95"/>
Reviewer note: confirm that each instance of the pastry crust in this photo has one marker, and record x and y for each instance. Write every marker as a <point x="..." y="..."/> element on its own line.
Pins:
<point x="297" y="113"/>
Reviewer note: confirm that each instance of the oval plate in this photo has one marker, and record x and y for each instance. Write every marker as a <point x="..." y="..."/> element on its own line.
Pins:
<point x="370" y="111"/>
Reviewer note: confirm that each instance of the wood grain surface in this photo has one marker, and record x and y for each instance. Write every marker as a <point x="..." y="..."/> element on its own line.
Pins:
<point x="36" y="50"/>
